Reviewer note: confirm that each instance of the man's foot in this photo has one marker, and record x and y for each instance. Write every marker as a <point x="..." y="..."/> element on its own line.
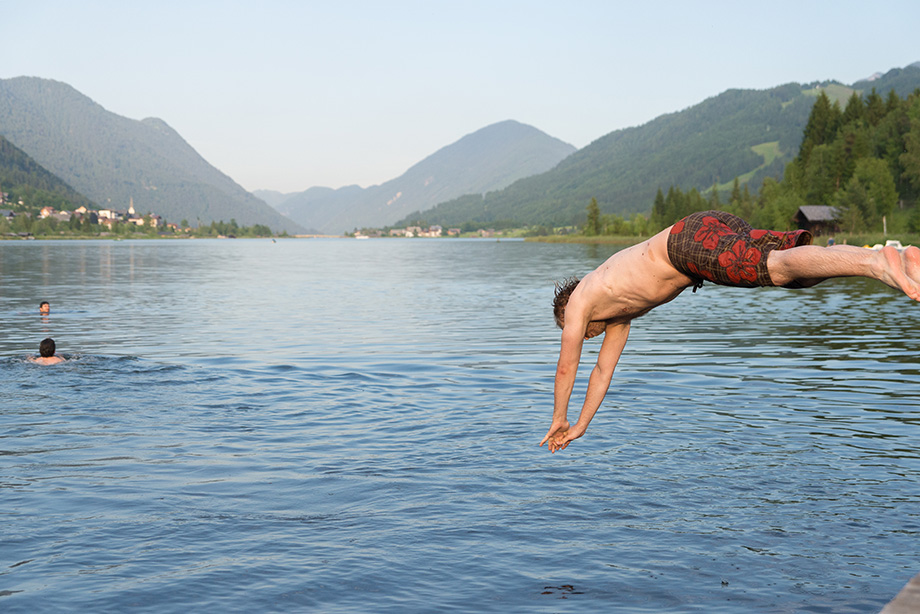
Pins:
<point x="901" y="269"/>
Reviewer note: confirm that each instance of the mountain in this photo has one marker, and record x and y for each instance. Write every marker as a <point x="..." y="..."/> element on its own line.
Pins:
<point x="749" y="134"/>
<point x="489" y="159"/>
<point x="112" y="159"/>
<point x="20" y="176"/>
<point x="272" y="198"/>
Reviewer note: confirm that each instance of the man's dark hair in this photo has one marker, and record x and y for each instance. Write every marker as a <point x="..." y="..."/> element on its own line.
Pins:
<point x="42" y="304"/>
<point x="563" y="291"/>
<point x="46" y="348"/>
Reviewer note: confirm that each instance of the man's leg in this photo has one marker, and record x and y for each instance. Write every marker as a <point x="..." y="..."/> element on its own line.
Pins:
<point x="810" y="264"/>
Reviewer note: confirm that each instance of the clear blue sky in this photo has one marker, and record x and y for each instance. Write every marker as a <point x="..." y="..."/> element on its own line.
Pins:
<point x="286" y="95"/>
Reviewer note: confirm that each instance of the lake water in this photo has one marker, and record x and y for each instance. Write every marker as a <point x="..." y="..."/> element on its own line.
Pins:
<point x="352" y="426"/>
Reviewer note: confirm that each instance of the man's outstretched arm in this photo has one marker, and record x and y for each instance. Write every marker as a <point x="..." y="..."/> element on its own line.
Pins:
<point x="573" y="338"/>
<point x="560" y="433"/>
<point x="614" y="341"/>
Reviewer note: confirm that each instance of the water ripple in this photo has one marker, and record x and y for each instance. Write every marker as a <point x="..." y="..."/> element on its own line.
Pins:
<point x="350" y="426"/>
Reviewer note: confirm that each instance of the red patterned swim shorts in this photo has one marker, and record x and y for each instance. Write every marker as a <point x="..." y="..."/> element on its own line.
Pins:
<point x="722" y="248"/>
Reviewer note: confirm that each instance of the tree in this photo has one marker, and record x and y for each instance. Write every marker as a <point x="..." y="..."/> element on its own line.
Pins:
<point x="746" y="208"/>
<point x="851" y="145"/>
<point x="850" y="204"/>
<point x="910" y="159"/>
<point x="875" y="108"/>
<point x="640" y="225"/>
<point x="593" y="223"/>
<point x="22" y="223"/>
<point x="821" y="127"/>
<point x="893" y="103"/>
<point x="615" y="225"/>
<point x="873" y="177"/>
<point x="735" y="199"/>
<point x="778" y="205"/>
<point x="659" y="211"/>
<point x="819" y="180"/>
<point x="854" y="112"/>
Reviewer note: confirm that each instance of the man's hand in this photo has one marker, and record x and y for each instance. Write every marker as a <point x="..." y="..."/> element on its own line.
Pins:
<point x="556" y="431"/>
<point x="561" y="434"/>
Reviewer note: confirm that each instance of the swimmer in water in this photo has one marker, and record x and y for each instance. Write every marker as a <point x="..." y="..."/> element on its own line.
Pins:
<point x="46" y="353"/>
<point x="44" y="308"/>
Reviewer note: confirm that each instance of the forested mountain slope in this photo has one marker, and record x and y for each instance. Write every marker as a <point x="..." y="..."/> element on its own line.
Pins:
<point x="21" y="177"/>
<point x="750" y="134"/>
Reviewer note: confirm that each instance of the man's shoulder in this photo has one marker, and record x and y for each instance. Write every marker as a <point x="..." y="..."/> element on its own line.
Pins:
<point x="49" y="360"/>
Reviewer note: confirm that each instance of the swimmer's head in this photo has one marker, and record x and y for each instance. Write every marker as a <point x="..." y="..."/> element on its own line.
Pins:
<point x="46" y="348"/>
<point x="561" y="299"/>
<point x="44" y="307"/>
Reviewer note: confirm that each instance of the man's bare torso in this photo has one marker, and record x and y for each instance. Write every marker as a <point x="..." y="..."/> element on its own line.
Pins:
<point x="630" y="283"/>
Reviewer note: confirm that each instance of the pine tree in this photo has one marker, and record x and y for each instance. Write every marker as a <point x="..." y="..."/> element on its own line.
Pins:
<point x="735" y="198"/>
<point x="893" y="103"/>
<point x="821" y="127"/>
<point x="875" y="108"/>
<point x="659" y="211"/>
<point x="854" y="111"/>
<point x="593" y="224"/>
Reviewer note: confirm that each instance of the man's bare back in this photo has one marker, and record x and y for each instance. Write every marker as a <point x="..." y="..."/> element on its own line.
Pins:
<point x="46" y="360"/>
<point x="635" y="280"/>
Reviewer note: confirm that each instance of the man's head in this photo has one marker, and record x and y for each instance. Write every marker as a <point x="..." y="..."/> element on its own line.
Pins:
<point x="46" y="348"/>
<point x="44" y="307"/>
<point x="563" y="292"/>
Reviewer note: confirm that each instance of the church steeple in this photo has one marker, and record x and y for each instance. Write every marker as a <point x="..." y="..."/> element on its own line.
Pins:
<point x="131" y="206"/>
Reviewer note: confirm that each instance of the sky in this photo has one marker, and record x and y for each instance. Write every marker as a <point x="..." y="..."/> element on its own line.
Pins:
<point x="287" y="95"/>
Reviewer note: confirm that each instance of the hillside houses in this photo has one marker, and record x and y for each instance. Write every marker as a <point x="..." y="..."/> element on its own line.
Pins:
<point x="103" y="217"/>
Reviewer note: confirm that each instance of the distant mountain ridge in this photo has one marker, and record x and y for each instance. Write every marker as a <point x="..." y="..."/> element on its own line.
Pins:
<point x="489" y="159"/>
<point x="507" y="172"/>
<point x="113" y="159"/>
<point x="750" y="134"/>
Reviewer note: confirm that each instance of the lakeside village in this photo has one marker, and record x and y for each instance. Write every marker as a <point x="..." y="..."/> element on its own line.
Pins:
<point x="22" y="223"/>
<point x="418" y="231"/>
<point x="47" y="222"/>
